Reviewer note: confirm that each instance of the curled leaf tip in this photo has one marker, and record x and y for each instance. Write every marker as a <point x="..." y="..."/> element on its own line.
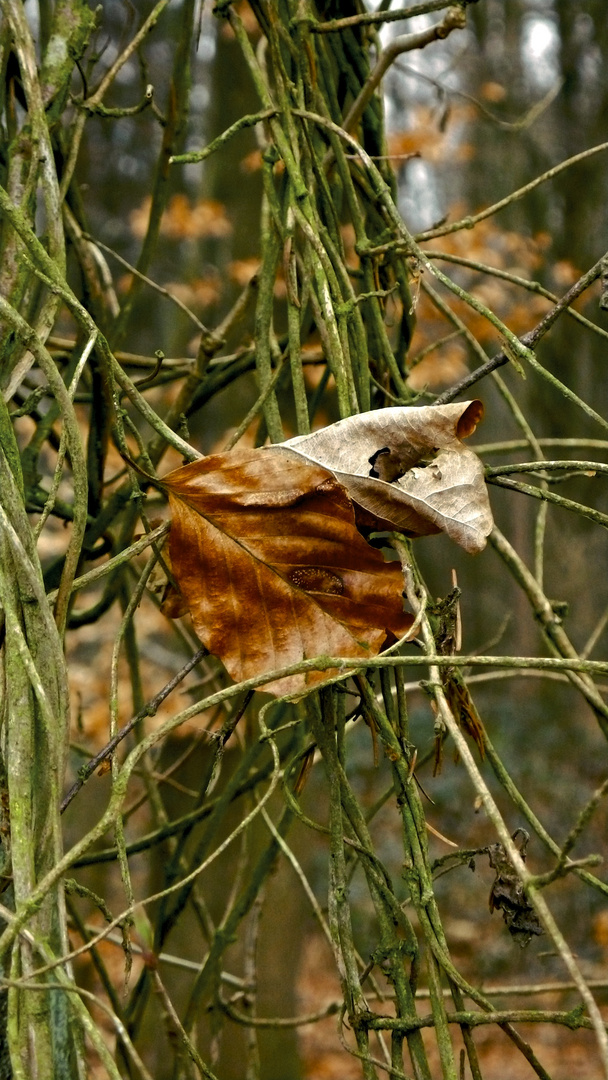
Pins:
<point x="470" y="418"/>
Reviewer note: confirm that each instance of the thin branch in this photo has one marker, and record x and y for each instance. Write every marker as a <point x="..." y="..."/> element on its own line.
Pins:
<point x="551" y="497"/>
<point x="529" y="340"/>
<point x="454" y="19"/>
<point x="370" y="18"/>
<point x="470" y="221"/>
<point x="241" y="124"/>
<point x="148" y="281"/>
<point x="150" y="709"/>
<point x="514" y="279"/>
<point x="573" y="1019"/>
<point x="505" y="838"/>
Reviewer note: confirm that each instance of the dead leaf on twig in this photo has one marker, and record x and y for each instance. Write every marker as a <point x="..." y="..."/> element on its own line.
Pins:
<point x="265" y="548"/>
<point x="407" y="469"/>
<point x="269" y="561"/>
<point x="508" y="894"/>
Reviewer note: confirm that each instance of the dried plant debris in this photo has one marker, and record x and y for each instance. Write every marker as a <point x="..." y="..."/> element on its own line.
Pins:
<point x="269" y="561"/>
<point x="406" y="469"/>
<point x="508" y="895"/>
<point x="266" y="545"/>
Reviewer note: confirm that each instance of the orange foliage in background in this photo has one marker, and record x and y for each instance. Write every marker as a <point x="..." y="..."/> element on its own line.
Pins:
<point x="183" y="220"/>
<point x="490" y="245"/>
<point x="428" y="135"/>
<point x="201" y="292"/>
<point x="493" y="91"/>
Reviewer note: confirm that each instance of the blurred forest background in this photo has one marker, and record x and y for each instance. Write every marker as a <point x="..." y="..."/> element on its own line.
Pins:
<point x="518" y="88"/>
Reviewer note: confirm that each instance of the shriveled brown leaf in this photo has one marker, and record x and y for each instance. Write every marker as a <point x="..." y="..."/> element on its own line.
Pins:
<point x="266" y="553"/>
<point x="406" y="468"/>
<point x="508" y="894"/>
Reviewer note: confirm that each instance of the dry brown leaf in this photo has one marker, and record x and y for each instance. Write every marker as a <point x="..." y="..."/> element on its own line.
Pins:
<point x="266" y="553"/>
<point x="407" y="469"/>
<point x="508" y="893"/>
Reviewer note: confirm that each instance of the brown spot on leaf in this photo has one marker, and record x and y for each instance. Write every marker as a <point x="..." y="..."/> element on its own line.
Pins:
<point x="316" y="579"/>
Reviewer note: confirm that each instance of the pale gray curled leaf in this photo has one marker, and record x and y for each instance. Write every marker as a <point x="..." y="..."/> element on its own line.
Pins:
<point x="408" y="470"/>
